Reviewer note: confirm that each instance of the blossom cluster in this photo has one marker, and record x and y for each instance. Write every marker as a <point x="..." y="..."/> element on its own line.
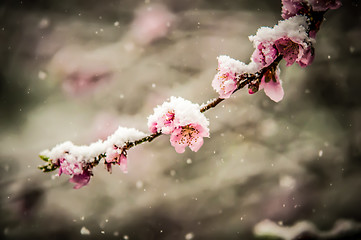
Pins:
<point x="179" y="118"/>
<point x="183" y="121"/>
<point x="292" y="39"/>
<point x="78" y="161"/>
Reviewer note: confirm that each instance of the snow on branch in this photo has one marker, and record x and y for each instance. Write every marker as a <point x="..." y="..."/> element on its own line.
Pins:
<point x="291" y="39"/>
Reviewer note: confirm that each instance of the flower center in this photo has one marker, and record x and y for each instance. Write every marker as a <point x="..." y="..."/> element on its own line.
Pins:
<point x="188" y="133"/>
<point x="169" y="117"/>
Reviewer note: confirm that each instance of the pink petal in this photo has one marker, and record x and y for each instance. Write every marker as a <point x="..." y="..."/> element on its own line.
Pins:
<point x="179" y="148"/>
<point x="175" y="138"/>
<point x="112" y="156"/>
<point x="291" y="8"/>
<point x="196" y="145"/>
<point x="203" y="132"/>
<point x="224" y="87"/>
<point x="123" y="163"/>
<point x="167" y="129"/>
<point x="153" y="128"/>
<point x="80" y="180"/>
<point x="229" y="87"/>
<point x="273" y="90"/>
<point x="60" y="171"/>
<point x="288" y="49"/>
<point x="307" y="57"/>
<point x="264" y="54"/>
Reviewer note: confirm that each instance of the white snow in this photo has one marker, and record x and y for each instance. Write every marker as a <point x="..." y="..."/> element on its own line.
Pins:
<point x="293" y="28"/>
<point x="123" y="135"/>
<point x="185" y="112"/>
<point x="229" y="64"/>
<point x="84" y="231"/>
<point x="88" y="153"/>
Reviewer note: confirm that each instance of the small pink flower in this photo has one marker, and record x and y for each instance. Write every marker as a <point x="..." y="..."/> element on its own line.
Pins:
<point x="80" y="176"/>
<point x="165" y="124"/>
<point x="117" y="156"/>
<point x="292" y="8"/>
<point x="123" y="162"/>
<point x="288" y="38"/>
<point x="80" y="180"/>
<point x="294" y="52"/>
<point x="181" y="119"/>
<point x="288" y="49"/>
<point x="190" y="135"/>
<point x="264" y="54"/>
<point x="69" y="167"/>
<point x="225" y="81"/>
<point x="291" y="51"/>
<point x="153" y="127"/>
<point x="307" y="57"/>
<point x="272" y="85"/>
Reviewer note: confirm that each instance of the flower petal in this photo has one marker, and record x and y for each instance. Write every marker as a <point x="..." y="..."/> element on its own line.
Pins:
<point x="274" y="90"/>
<point x="175" y="141"/>
<point x="307" y="57"/>
<point x="80" y="180"/>
<point x="196" y="144"/>
<point x="123" y="163"/>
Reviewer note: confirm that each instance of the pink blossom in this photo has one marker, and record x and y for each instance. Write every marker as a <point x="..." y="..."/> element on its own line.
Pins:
<point x="190" y="135"/>
<point x="264" y="54"/>
<point x="181" y="119"/>
<point x="225" y="81"/>
<point x="69" y="167"/>
<point x="323" y="5"/>
<point x="288" y="38"/>
<point x="288" y="49"/>
<point x="292" y="8"/>
<point x="80" y="180"/>
<point x="307" y="57"/>
<point x="272" y="85"/>
<point x="80" y="176"/>
<point x="292" y="52"/>
<point x="166" y="123"/>
<point x="153" y="128"/>
<point x="117" y="156"/>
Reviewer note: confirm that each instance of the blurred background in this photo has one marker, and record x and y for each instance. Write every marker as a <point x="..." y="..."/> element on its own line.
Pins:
<point x="76" y="70"/>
